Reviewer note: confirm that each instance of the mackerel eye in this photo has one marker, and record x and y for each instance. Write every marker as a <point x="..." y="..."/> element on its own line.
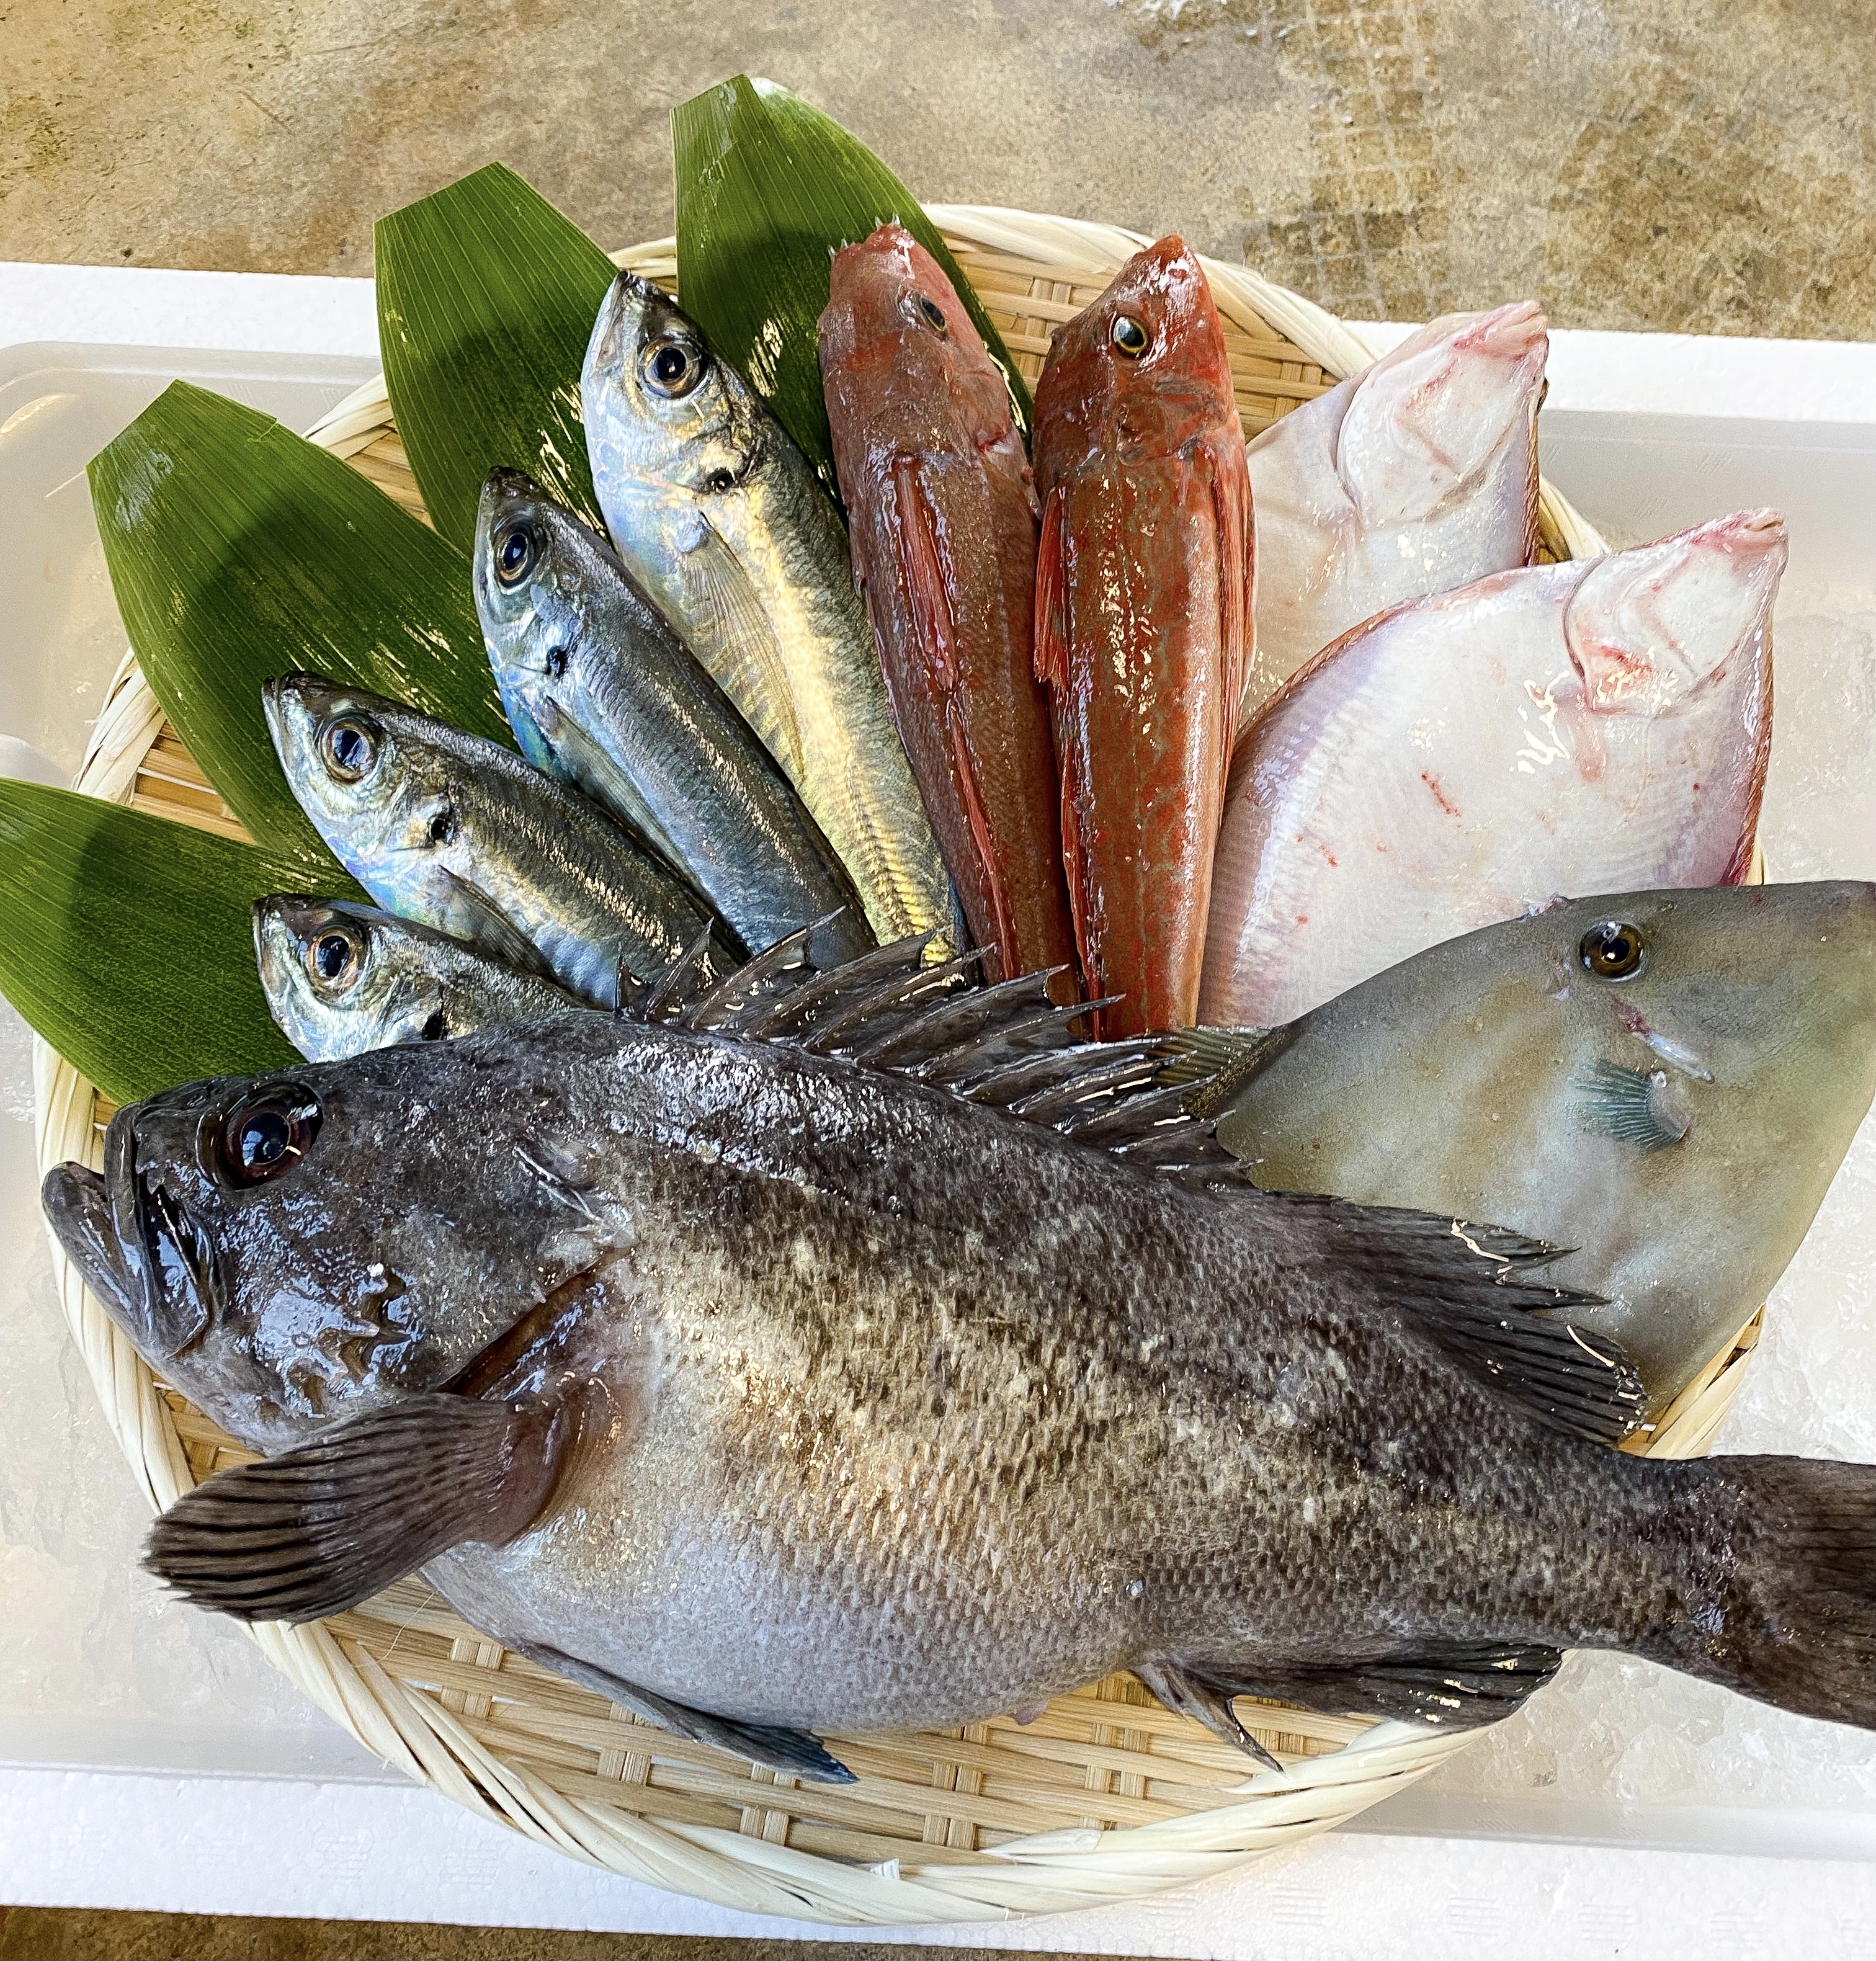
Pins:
<point x="349" y="746"/>
<point x="266" y="1133"/>
<point x="514" y="555"/>
<point x="334" y="960"/>
<point x="1129" y="336"/>
<point x="671" y="369"/>
<point x="930" y="312"/>
<point x="1612" y="951"/>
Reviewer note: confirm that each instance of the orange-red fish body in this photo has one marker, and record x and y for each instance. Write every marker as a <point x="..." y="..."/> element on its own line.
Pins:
<point x="943" y="534"/>
<point x="1142" y="623"/>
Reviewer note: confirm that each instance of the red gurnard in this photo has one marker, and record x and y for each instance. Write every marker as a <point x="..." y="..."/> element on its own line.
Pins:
<point x="1142" y="623"/>
<point x="943" y="534"/>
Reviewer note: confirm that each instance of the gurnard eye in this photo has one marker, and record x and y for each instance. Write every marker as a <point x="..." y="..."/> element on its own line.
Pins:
<point x="1129" y="336"/>
<point x="1612" y="951"/>
<point x="514" y="555"/>
<point x="350" y="747"/>
<point x="671" y="368"/>
<point x="334" y="960"/>
<point x="266" y="1133"/>
<point x="930" y="312"/>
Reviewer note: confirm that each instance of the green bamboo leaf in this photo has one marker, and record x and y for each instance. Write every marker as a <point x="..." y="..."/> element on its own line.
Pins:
<point x="239" y="551"/>
<point x="486" y="297"/>
<point x="129" y="943"/>
<point x="768" y="189"/>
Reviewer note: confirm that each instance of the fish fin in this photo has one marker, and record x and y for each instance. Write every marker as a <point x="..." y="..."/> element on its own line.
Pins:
<point x="314" y="1532"/>
<point x="747" y="660"/>
<point x="1052" y="598"/>
<point x="794" y="1752"/>
<point x="1635" y="1106"/>
<point x="1466" y="1288"/>
<point x="1218" y="1062"/>
<point x="1459" y="1688"/>
<point x="485" y="925"/>
<point x="1188" y="1693"/>
<point x="525" y="729"/>
<point x="928" y="591"/>
<point x="667" y="996"/>
<point x="1051" y="668"/>
<point x="581" y="761"/>
<point x="1237" y="574"/>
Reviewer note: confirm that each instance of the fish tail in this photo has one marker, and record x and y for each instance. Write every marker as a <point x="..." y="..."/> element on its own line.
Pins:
<point x="1785" y="1593"/>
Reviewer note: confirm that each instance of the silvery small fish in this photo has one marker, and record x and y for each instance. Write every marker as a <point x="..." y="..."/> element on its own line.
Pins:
<point x="457" y="833"/>
<point x="1611" y="1074"/>
<point x="600" y="691"/>
<point x="834" y="1394"/>
<point x="721" y="519"/>
<point x="341" y="978"/>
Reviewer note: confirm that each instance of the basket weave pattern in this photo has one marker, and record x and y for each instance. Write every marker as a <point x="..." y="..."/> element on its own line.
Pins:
<point x="1107" y="1793"/>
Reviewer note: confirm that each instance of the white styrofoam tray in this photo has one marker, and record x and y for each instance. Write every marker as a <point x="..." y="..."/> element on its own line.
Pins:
<point x="148" y="1758"/>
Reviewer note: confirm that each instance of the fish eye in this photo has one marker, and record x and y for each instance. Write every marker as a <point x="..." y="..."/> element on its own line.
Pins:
<point x="267" y="1132"/>
<point x="1129" y="336"/>
<point x="555" y="661"/>
<point x="671" y="368"/>
<point x="720" y="480"/>
<point x="1612" y="951"/>
<point x="514" y="554"/>
<point x="930" y="312"/>
<point x="349" y="746"/>
<point x="443" y="826"/>
<point x="334" y="959"/>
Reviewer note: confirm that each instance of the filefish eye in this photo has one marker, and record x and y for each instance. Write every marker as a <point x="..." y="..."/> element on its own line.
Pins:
<point x="267" y="1132"/>
<point x="1612" y="951"/>
<point x="671" y="369"/>
<point x="514" y="555"/>
<point x="334" y="959"/>
<point x="349" y="746"/>
<point x="930" y="312"/>
<point x="443" y="826"/>
<point x="1129" y="336"/>
<point x="555" y="661"/>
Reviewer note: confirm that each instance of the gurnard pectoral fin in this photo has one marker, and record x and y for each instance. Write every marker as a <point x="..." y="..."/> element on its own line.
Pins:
<point x="1052" y="670"/>
<point x="1237" y="578"/>
<point x="318" y="1529"/>
<point x="793" y="1752"/>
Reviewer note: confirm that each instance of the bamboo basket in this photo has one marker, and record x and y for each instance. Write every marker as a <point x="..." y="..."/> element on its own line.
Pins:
<point x="1105" y="1795"/>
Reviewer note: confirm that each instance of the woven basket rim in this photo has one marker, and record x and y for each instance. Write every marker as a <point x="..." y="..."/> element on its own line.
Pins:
<point x="417" y="1731"/>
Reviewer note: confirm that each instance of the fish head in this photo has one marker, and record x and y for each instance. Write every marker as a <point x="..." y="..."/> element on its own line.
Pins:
<point x="663" y="408"/>
<point x="1432" y="416"/>
<point x="1646" y="629"/>
<point x="335" y="979"/>
<point x="383" y="793"/>
<point x="289" y="1249"/>
<point x="1140" y="372"/>
<point x="533" y="566"/>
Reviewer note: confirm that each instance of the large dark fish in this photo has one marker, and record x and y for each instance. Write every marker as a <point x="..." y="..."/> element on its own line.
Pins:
<point x="942" y="523"/>
<point x="600" y="690"/>
<point x="455" y="832"/>
<point x="1610" y="1075"/>
<point x="1143" y="621"/>
<point x="771" y="1390"/>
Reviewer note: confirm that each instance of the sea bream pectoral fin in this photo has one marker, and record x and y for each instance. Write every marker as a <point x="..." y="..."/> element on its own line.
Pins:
<point x="318" y="1529"/>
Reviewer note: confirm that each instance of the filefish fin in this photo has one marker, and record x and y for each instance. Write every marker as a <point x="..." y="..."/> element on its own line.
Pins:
<point x="320" y="1528"/>
<point x="476" y="917"/>
<point x="577" y="757"/>
<point x="1188" y="1693"/>
<point x="794" y="1752"/>
<point x="1459" y="1688"/>
<point x="1636" y="1106"/>
<point x="744" y="657"/>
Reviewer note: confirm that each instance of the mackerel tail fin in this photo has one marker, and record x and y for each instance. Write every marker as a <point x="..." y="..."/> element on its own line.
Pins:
<point x="1789" y="1616"/>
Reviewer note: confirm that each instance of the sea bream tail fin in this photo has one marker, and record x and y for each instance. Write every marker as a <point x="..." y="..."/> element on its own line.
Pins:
<point x="320" y="1528"/>
<point x="793" y="1752"/>
<point x="1783" y="1553"/>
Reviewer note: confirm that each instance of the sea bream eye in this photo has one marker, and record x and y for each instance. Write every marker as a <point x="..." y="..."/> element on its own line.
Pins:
<point x="671" y="369"/>
<point x="1612" y="951"/>
<point x="267" y="1132"/>
<point x="514" y="555"/>
<point x="349" y="746"/>
<point x="1129" y="336"/>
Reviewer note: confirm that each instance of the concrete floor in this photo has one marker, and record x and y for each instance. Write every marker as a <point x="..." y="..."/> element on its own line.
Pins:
<point x="1665" y="164"/>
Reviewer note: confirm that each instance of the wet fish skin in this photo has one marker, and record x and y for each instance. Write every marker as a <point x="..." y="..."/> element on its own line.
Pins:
<point x="898" y="1410"/>
<point x="1415" y="476"/>
<point x="721" y="519"/>
<point x="1474" y="1077"/>
<point x="1143" y="623"/>
<point x="1597" y="726"/>
<point x="602" y="693"/>
<point x="942" y="525"/>
<point x="341" y="978"/>
<point x="458" y="833"/>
